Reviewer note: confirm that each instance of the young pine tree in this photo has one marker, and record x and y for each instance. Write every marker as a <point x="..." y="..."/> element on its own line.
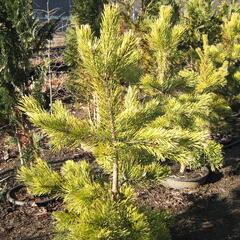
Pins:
<point x="118" y="133"/>
<point x="188" y="98"/>
<point x="119" y="136"/>
<point x="227" y="50"/>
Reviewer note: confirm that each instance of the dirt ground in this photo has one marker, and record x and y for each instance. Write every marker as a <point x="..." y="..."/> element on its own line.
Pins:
<point x="211" y="212"/>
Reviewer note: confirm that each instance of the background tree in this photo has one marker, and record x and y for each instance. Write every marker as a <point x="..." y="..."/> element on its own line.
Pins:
<point x="228" y="50"/>
<point x="83" y="12"/>
<point x="203" y="17"/>
<point x="88" y="12"/>
<point x="22" y="37"/>
<point x="188" y="99"/>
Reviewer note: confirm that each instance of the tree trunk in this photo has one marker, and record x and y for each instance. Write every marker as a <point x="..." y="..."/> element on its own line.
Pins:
<point x="115" y="185"/>
<point x="19" y="146"/>
<point x="182" y="168"/>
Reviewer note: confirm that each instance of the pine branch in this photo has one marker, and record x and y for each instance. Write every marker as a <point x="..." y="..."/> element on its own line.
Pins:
<point x="135" y="115"/>
<point x="165" y="144"/>
<point x="40" y="179"/>
<point x="164" y="40"/>
<point x="64" y="129"/>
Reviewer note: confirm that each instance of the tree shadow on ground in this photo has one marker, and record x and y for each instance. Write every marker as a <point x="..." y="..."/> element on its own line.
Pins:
<point x="210" y="218"/>
<point x="214" y="177"/>
<point x="214" y="216"/>
<point x="232" y="160"/>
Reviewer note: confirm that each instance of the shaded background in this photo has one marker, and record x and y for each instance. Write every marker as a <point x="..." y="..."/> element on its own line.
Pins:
<point x="63" y="6"/>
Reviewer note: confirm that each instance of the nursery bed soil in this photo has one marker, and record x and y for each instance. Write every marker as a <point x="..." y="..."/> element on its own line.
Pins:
<point x="211" y="212"/>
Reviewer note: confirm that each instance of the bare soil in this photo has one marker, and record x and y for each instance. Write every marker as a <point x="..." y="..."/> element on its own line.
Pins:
<point x="211" y="212"/>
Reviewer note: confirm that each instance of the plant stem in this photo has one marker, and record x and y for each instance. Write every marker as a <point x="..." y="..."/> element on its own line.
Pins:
<point x="49" y="62"/>
<point x="115" y="185"/>
<point x="182" y="168"/>
<point x="95" y="109"/>
<point x="19" y="146"/>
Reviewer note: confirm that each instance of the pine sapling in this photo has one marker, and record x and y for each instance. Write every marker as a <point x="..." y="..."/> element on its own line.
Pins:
<point x="188" y="97"/>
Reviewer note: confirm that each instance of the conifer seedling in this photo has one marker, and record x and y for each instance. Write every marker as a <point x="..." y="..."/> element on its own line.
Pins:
<point x="188" y="99"/>
<point x="119" y="136"/>
<point x="128" y="137"/>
